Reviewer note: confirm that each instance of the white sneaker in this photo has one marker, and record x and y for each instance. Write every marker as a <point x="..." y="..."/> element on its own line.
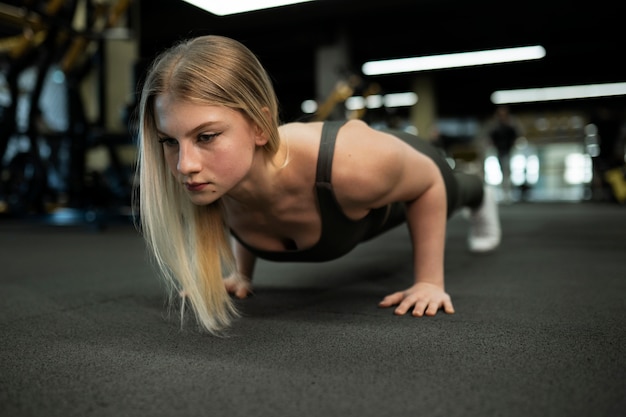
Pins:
<point x="485" y="233"/>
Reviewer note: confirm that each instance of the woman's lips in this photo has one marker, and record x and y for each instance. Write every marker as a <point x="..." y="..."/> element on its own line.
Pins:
<point x="195" y="186"/>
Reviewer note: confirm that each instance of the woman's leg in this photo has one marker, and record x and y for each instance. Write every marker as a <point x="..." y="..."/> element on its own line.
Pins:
<point x="485" y="232"/>
<point x="471" y="190"/>
<point x="464" y="190"/>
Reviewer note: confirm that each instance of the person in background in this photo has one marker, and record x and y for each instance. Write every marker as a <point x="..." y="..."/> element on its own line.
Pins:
<point x="502" y="132"/>
<point x="223" y="182"/>
<point x="609" y="164"/>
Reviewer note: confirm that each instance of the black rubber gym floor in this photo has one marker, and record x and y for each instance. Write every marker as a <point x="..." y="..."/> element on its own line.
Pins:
<point x="540" y="328"/>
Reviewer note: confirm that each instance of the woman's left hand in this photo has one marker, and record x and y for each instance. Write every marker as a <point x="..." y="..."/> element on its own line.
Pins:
<point x="238" y="285"/>
<point x="422" y="297"/>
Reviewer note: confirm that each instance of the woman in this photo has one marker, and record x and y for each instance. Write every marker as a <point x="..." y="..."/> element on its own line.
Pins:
<point x="214" y="162"/>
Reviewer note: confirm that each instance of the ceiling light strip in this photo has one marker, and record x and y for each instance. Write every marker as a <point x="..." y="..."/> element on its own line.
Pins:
<point x="531" y="95"/>
<point x="227" y="7"/>
<point x="463" y="59"/>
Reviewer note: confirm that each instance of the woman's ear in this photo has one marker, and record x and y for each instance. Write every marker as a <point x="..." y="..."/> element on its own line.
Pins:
<point x="262" y="137"/>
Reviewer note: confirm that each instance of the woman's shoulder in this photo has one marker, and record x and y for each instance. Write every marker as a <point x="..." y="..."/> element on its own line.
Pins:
<point x="302" y="139"/>
<point x="300" y="129"/>
<point x="313" y="130"/>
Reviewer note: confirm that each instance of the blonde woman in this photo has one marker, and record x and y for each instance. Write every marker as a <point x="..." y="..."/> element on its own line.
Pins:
<point x="222" y="182"/>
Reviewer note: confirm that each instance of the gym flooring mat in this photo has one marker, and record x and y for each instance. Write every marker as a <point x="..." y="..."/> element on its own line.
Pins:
<point x="539" y="328"/>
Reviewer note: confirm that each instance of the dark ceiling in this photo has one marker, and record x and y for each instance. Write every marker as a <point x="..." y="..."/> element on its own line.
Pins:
<point x="584" y="42"/>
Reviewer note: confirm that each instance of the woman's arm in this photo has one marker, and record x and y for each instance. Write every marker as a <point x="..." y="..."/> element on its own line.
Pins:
<point x="375" y="169"/>
<point x="426" y="219"/>
<point x="239" y="283"/>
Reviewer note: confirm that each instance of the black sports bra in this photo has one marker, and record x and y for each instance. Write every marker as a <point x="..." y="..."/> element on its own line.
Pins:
<point x="340" y="234"/>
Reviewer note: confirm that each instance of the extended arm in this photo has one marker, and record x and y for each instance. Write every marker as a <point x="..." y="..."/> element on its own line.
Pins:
<point x="240" y="283"/>
<point x="375" y="169"/>
<point x="426" y="219"/>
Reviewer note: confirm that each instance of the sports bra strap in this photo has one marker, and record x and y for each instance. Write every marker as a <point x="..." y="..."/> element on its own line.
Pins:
<point x="327" y="150"/>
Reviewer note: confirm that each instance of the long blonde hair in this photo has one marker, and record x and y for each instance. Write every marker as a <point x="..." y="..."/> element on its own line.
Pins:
<point x="189" y="243"/>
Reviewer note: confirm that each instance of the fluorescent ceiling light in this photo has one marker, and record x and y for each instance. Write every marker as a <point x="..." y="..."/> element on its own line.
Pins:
<point x="371" y="102"/>
<point x="226" y="7"/>
<point x="463" y="59"/>
<point x="400" y="99"/>
<point x="309" y="106"/>
<point x="558" y="93"/>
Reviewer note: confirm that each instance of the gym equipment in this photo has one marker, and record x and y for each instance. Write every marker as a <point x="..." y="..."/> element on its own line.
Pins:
<point x="48" y="180"/>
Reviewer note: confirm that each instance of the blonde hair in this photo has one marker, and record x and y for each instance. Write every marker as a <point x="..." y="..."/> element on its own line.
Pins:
<point x="190" y="243"/>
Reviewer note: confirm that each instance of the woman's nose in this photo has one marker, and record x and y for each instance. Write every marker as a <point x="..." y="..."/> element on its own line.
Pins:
<point x="188" y="161"/>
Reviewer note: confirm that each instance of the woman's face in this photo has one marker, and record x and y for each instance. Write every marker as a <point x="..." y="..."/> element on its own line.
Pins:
<point x="209" y="149"/>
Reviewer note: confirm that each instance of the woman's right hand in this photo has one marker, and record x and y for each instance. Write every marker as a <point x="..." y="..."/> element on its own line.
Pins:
<point x="238" y="285"/>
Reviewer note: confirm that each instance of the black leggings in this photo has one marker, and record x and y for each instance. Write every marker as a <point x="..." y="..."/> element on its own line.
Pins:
<point x="462" y="190"/>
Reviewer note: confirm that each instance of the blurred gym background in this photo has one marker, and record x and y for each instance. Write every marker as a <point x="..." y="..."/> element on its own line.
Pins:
<point x="71" y="69"/>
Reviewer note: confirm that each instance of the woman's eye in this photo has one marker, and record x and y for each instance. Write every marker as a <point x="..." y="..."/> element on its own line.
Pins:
<point x="168" y="141"/>
<point x="207" y="137"/>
